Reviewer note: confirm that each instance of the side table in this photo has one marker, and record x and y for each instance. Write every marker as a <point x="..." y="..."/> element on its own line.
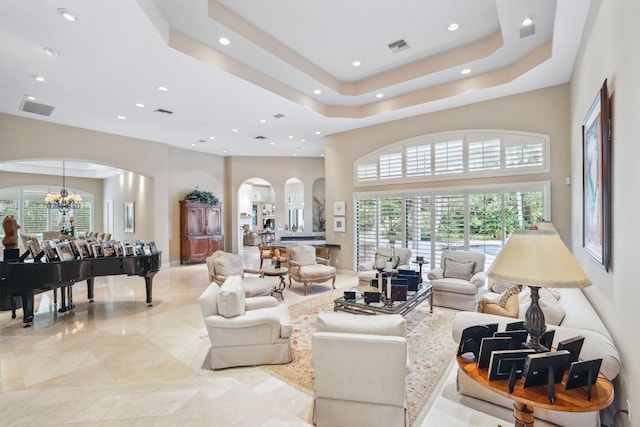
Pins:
<point x="279" y="272"/>
<point x="525" y="399"/>
<point x="420" y="263"/>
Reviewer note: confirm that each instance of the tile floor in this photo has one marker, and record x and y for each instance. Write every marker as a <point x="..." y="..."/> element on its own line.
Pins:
<point x="118" y="362"/>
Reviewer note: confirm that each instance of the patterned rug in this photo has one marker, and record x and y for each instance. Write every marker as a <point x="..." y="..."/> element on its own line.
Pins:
<point x="431" y="348"/>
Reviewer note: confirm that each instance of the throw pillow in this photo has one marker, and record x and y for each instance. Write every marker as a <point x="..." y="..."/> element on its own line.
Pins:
<point x="458" y="270"/>
<point x="507" y="305"/>
<point x="231" y="300"/>
<point x="499" y="287"/>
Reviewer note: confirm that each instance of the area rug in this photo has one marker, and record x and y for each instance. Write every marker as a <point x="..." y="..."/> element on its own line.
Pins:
<point x="431" y="348"/>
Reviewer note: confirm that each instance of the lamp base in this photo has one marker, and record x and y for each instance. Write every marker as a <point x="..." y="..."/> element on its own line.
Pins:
<point x="534" y="322"/>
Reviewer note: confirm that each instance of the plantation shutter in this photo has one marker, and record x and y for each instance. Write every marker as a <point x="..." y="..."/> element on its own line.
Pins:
<point x="448" y="157"/>
<point x="366" y="172"/>
<point x="366" y="229"/>
<point x="485" y="224"/>
<point x="418" y="221"/>
<point x="418" y="160"/>
<point x="449" y="227"/>
<point x="523" y="151"/>
<point x="484" y="154"/>
<point x="82" y="217"/>
<point x="390" y="165"/>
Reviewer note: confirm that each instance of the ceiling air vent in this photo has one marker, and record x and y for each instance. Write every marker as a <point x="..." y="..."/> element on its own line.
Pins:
<point x="261" y="138"/>
<point x="278" y="116"/>
<point x="163" y="111"/>
<point x="527" y="31"/>
<point x="398" y="46"/>
<point x="36" y="108"/>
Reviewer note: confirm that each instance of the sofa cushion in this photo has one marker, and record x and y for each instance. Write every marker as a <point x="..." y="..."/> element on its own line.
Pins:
<point x="317" y="271"/>
<point x="456" y="286"/>
<point x="303" y="254"/>
<point x="498" y="287"/>
<point x="458" y="270"/>
<point x="507" y="305"/>
<point x="391" y="325"/>
<point x="228" y="264"/>
<point x="231" y="299"/>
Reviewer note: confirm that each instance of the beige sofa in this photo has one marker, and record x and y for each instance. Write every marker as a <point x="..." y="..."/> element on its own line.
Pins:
<point x="360" y="366"/>
<point x="569" y="313"/>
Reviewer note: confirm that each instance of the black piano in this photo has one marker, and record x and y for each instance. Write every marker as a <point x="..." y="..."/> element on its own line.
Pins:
<point x="23" y="280"/>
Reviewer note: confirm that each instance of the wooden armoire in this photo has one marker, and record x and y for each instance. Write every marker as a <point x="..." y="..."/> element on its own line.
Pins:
<point x="200" y="231"/>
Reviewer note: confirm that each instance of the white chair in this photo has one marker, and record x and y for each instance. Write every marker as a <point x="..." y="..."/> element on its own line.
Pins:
<point x="367" y="270"/>
<point x="304" y="268"/>
<point x="360" y="367"/>
<point x="245" y="331"/>
<point x="459" y="281"/>
<point x="223" y="264"/>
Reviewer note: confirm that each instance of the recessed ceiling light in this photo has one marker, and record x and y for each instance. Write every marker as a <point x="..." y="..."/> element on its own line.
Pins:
<point x="193" y="145"/>
<point x="234" y="130"/>
<point x="140" y="105"/>
<point x="263" y="121"/>
<point x="212" y="137"/>
<point x="290" y="136"/>
<point x="272" y="143"/>
<point x="303" y="140"/>
<point x="121" y="117"/>
<point x="527" y="21"/>
<point x="69" y="16"/>
<point x="31" y="98"/>
<point x="51" y="51"/>
<point x="379" y="95"/>
<point x="318" y="132"/>
<point x="224" y="41"/>
<point x="38" y="77"/>
<point x="466" y="71"/>
<point x="224" y="151"/>
<point x="317" y="91"/>
<point x="163" y="88"/>
<point x="356" y="63"/>
<point x="453" y="26"/>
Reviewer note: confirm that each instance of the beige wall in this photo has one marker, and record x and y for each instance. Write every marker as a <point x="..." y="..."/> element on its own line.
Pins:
<point x="167" y="173"/>
<point x="276" y="170"/>
<point x="609" y="51"/>
<point x="543" y="111"/>
<point x="130" y="187"/>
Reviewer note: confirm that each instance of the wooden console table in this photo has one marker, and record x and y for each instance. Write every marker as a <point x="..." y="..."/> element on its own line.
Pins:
<point x="525" y="399"/>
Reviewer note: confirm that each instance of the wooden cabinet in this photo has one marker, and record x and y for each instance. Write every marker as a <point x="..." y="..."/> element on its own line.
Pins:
<point x="200" y="231"/>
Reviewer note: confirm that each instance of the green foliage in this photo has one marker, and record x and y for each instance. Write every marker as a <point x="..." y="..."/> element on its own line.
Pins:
<point x="201" y="196"/>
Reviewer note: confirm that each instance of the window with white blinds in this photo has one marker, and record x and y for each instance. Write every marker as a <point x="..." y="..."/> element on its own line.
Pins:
<point x="390" y="165"/>
<point x="429" y="222"/>
<point x="455" y="155"/>
<point x="27" y="205"/>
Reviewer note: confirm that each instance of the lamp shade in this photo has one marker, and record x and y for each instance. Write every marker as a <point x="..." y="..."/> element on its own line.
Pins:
<point x="537" y="258"/>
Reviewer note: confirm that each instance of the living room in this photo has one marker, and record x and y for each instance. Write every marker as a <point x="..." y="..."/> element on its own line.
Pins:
<point x="558" y="111"/>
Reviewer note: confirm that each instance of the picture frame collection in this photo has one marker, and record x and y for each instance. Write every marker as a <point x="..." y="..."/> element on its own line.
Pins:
<point x="69" y="250"/>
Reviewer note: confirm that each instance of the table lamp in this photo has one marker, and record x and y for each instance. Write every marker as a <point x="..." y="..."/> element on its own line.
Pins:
<point x="539" y="259"/>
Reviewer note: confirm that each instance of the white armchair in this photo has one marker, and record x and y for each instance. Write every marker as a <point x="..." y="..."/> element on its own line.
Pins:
<point x="459" y="281"/>
<point x="224" y="264"/>
<point x="245" y="331"/>
<point x="367" y="270"/>
<point x="304" y="268"/>
<point x="360" y="366"/>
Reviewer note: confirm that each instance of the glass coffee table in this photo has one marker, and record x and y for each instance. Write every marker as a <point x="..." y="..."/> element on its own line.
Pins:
<point x="358" y="306"/>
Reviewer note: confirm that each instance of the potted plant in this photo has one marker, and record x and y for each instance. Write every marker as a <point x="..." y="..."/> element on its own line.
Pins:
<point x="201" y="196"/>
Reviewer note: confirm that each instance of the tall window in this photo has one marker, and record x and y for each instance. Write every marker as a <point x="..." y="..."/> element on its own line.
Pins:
<point x="430" y="222"/>
<point x="27" y="205"/>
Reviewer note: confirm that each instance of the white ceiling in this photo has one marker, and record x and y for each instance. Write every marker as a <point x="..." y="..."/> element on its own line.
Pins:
<point x="118" y="52"/>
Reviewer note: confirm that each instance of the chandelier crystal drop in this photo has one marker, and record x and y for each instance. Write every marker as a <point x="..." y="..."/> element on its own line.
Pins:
<point x="63" y="201"/>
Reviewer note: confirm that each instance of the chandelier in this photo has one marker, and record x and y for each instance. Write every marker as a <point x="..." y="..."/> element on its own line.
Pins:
<point x="63" y="201"/>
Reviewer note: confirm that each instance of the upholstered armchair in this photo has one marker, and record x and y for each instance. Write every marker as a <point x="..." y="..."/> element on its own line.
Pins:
<point x="245" y="331"/>
<point x="304" y="268"/>
<point x="224" y="264"/>
<point x="360" y="366"/>
<point x="367" y="270"/>
<point x="250" y="237"/>
<point x="459" y="281"/>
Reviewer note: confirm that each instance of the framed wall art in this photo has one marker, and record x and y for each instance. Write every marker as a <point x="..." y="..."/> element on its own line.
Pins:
<point x="129" y="217"/>
<point x="339" y="207"/>
<point x="596" y="197"/>
<point x="339" y="224"/>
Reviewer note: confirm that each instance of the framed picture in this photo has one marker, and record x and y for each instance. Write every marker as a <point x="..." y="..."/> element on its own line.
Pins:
<point x="65" y="253"/>
<point x="596" y="165"/>
<point x="129" y="217"/>
<point x="339" y="207"/>
<point x="338" y="224"/>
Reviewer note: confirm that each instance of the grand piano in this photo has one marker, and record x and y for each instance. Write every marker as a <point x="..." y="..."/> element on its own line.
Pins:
<point x="25" y="279"/>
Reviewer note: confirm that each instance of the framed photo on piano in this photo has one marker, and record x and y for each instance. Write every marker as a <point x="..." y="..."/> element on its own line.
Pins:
<point x="65" y="253"/>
